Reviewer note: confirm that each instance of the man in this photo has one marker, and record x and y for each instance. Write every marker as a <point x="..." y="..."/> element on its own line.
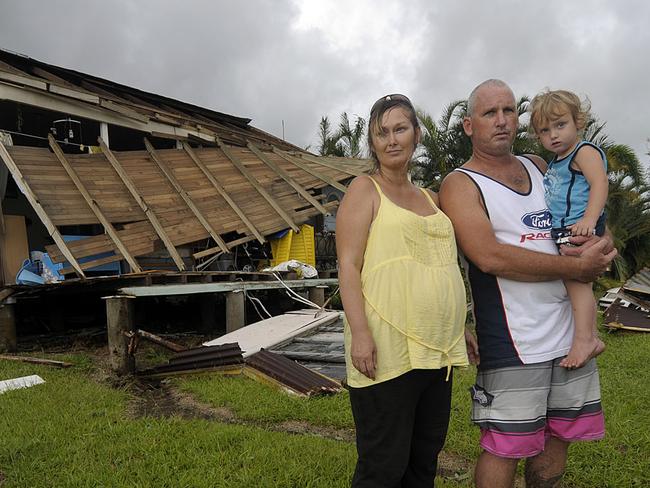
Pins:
<point x="526" y="404"/>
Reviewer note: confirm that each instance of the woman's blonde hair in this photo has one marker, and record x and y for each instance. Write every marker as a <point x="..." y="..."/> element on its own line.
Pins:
<point x="551" y="104"/>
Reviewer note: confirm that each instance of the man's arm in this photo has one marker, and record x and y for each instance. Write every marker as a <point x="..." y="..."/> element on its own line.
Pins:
<point x="461" y="201"/>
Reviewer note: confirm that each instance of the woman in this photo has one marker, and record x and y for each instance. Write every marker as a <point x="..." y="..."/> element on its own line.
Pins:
<point x="404" y="303"/>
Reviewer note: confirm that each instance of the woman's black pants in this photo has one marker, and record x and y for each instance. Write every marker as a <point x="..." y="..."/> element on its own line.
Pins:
<point x="401" y="427"/>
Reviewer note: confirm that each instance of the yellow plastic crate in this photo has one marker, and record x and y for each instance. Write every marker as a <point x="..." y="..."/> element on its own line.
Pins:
<point x="299" y="246"/>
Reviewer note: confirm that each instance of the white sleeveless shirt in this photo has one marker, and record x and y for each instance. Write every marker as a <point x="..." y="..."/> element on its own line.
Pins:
<point x="518" y="322"/>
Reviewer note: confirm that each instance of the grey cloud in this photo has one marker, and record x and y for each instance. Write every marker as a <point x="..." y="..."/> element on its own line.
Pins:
<point x="246" y="58"/>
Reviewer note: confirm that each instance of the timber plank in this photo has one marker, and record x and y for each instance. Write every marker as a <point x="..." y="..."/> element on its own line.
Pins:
<point x="148" y="212"/>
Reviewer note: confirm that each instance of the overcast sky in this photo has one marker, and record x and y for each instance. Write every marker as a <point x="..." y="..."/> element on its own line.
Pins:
<point x="296" y="60"/>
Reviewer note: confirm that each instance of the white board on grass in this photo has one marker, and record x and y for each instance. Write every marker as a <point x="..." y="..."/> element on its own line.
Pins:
<point x="22" y="382"/>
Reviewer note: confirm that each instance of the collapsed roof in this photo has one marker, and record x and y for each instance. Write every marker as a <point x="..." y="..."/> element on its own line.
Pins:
<point x="245" y="185"/>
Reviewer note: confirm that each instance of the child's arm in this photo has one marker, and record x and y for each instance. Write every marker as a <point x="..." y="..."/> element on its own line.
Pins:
<point x="590" y="162"/>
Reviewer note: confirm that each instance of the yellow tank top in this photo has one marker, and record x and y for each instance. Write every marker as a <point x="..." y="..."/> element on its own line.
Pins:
<point x="414" y="294"/>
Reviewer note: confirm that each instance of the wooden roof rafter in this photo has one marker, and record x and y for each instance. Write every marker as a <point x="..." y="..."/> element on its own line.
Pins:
<point x="313" y="159"/>
<point x="38" y="208"/>
<point x="285" y="176"/>
<point x="185" y="196"/>
<point x="153" y="219"/>
<point x="244" y="171"/>
<point x="108" y="227"/>
<point x="224" y="194"/>
<point x="305" y="167"/>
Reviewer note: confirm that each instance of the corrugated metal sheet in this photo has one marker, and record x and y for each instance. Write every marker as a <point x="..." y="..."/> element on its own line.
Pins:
<point x="292" y="374"/>
<point x="619" y="317"/>
<point x="200" y="358"/>
<point x="639" y="283"/>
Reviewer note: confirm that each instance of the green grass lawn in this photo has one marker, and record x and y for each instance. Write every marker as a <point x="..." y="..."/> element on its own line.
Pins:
<point x="77" y="431"/>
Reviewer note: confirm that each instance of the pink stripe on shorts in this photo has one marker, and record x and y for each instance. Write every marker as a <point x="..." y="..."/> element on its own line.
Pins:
<point x="521" y="406"/>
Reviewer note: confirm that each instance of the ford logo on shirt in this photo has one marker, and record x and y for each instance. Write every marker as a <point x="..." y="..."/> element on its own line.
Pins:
<point x="540" y="219"/>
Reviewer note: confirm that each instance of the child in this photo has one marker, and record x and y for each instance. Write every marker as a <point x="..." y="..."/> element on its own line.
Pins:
<point x="575" y="187"/>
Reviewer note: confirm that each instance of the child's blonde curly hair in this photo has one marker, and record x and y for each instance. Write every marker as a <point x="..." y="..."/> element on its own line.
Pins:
<point x="551" y="104"/>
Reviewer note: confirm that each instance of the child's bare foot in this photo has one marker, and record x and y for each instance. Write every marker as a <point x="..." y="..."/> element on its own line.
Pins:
<point x="582" y="350"/>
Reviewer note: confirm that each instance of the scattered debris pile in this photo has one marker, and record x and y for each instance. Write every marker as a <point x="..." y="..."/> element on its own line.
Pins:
<point x="245" y="352"/>
<point x="630" y="310"/>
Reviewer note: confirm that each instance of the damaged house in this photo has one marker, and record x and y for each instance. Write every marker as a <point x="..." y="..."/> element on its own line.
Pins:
<point x="105" y="188"/>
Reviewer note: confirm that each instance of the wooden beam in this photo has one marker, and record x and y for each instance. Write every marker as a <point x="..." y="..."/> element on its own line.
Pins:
<point x="33" y="200"/>
<point x="119" y="322"/>
<point x="8" y="341"/>
<point x="121" y="109"/>
<point x="342" y="169"/>
<point x="242" y="169"/>
<point x="283" y="174"/>
<point x="71" y="106"/>
<point x="214" y="250"/>
<point x="190" y="203"/>
<point x="160" y="231"/>
<point x="222" y="191"/>
<point x="304" y="167"/>
<point x="172" y="346"/>
<point x="44" y="362"/>
<point x="108" y="227"/>
<point x="222" y="286"/>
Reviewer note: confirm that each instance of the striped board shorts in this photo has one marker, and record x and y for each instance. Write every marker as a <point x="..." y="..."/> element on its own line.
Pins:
<point x="519" y="407"/>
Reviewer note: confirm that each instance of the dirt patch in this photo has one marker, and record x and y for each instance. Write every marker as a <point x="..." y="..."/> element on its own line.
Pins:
<point x="305" y="428"/>
<point x="157" y="399"/>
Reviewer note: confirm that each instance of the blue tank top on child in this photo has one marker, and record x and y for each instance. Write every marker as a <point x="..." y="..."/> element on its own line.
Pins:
<point x="566" y="190"/>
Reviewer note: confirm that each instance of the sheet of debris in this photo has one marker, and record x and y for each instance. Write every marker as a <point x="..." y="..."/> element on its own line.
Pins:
<point x="268" y="333"/>
<point x="306" y="358"/>
<point x="631" y="308"/>
<point x="320" y="349"/>
<point x="22" y="382"/>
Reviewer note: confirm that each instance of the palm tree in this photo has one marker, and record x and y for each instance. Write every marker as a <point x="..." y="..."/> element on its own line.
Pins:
<point x="628" y="219"/>
<point x="347" y="141"/>
<point x="329" y="144"/>
<point x="352" y="137"/>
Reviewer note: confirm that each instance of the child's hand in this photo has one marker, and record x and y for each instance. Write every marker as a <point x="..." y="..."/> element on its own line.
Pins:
<point x="582" y="228"/>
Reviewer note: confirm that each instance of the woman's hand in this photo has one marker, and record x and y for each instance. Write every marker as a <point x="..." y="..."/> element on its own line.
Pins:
<point x="364" y="353"/>
<point x="472" y="347"/>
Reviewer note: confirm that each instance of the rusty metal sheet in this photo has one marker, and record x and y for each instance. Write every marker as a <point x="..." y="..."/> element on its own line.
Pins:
<point x="292" y="374"/>
<point x="629" y="318"/>
<point x="639" y="283"/>
<point x="201" y="358"/>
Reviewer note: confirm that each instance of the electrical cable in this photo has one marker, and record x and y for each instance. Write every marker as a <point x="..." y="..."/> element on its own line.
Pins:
<point x="295" y="296"/>
<point x="41" y="138"/>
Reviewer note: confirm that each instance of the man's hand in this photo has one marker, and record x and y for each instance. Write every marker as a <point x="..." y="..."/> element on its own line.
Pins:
<point x="364" y="354"/>
<point x="472" y="347"/>
<point x="594" y="258"/>
<point x="581" y="243"/>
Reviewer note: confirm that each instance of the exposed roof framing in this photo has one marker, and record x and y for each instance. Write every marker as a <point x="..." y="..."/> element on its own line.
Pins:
<point x="285" y="176"/>
<point x="240" y="184"/>
<point x="38" y="208"/>
<point x="165" y="198"/>
<point x="306" y="167"/>
<point x="260" y="189"/>
<point x="222" y="191"/>
<point x="151" y="215"/>
<point x="108" y="227"/>
<point x="188" y="200"/>
<point x="26" y="80"/>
